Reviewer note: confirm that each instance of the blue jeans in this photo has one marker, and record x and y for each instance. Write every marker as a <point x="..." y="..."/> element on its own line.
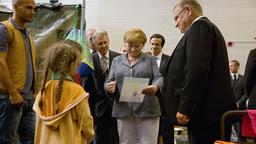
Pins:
<point x="17" y="120"/>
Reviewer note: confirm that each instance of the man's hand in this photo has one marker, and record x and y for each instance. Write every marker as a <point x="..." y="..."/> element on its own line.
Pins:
<point x="182" y="119"/>
<point x="150" y="90"/>
<point x="16" y="99"/>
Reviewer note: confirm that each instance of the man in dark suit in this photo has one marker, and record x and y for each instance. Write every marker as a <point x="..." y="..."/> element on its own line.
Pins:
<point x="157" y="42"/>
<point x="106" y="127"/>
<point x="85" y="71"/>
<point x="250" y="78"/>
<point x="237" y="84"/>
<point x="197" y="84"/>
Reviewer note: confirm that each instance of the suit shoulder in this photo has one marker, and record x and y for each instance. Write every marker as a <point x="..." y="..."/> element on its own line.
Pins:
<point x="252" y="55"/>
<point x="240" y="75"/>
<point x="94" y="54"/>
<point x="203" y="22"/>
<point x="114" y="54"/>
<point x="119" y="57"/>
<point x="166" y="56"/>
<point x="253" y="51"/>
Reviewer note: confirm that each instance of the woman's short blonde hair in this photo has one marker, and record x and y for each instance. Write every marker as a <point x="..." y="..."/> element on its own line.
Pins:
<point x="135" y="35"/>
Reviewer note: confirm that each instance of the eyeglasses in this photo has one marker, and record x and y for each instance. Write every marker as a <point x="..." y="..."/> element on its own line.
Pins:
<point x="180" y="14"/>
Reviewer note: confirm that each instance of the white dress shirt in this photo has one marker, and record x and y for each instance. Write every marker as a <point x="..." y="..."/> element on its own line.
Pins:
<point x="158" y="59"/>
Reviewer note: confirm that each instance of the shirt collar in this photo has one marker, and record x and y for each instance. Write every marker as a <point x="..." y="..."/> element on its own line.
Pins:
<point x="159" y="56"/>
<point x="91" y="50"/>
<point x="106" y="55"/>
<point x="234" y="74"/>
<point x="18" y="27"/>
<point x="197" y="19"/>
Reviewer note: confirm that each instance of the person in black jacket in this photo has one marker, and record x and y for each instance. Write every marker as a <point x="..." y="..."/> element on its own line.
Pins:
<point x="106" y="125"/>
<point x="250" y="78"/>
<point x="237" y="83"/>
<point x="197" y="85"/>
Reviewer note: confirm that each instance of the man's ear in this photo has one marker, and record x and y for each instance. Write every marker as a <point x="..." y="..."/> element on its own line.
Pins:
<point x="190" y="10"/>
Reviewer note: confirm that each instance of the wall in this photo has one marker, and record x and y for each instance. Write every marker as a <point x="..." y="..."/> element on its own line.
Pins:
<point x="235" y="18"/>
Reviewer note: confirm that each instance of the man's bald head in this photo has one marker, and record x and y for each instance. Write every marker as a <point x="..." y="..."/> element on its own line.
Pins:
<point x="19" y="2"/>
<point x="16" y="2"/>
<point x="23" y="11"/>
<point x="89" y="33"/>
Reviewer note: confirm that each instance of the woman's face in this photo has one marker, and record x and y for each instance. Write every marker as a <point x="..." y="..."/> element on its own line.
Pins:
<point x="134" y="49"/>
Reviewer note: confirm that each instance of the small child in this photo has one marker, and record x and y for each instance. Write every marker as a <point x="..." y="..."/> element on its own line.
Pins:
<point x="62" y="110"/>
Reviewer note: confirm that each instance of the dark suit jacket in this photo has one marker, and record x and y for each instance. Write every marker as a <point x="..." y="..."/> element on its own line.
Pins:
<point x="163" y="67"/>
<point x="250" y="79"/>
<point x="103" y="103"/>
<point x="198" y="79"/>
<point x="163" y="64"/>
<point x="239" y="91"/>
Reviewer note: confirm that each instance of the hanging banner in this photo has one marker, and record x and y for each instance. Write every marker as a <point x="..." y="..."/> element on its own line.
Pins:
<point x="50" y="25"/>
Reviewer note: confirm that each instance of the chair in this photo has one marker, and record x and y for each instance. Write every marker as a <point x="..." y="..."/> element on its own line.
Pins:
<point x="234" y="114"/>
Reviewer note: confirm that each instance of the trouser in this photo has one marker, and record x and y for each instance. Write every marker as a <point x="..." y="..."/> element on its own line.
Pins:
<point x="133" y="130"/>
<point x="16" y="120"/>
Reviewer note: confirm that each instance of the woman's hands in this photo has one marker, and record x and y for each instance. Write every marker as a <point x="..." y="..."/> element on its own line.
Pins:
<point x="150" y="90"/>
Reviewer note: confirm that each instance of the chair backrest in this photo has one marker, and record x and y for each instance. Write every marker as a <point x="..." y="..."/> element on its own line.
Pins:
<point x="232" y="116"/>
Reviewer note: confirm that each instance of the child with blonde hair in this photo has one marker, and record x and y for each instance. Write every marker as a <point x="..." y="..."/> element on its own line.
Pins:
<point x="62" y="110"/>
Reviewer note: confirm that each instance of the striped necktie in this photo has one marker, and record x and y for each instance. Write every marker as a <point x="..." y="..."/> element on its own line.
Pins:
<point x="104" y="65"/>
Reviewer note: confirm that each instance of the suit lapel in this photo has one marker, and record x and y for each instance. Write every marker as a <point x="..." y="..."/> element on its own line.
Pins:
<point x="96" y="62"/>
<point x="179" y="45"/>
<point x="125" y="60"/>
<point x="239" y="78"/>
<point x="163" y="63"/>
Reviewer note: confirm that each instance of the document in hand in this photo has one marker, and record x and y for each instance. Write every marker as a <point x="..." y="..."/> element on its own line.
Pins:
<point x="132" y="88"/>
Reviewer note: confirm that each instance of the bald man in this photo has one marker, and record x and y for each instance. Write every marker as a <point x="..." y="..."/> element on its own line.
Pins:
<point x="89" y="34"/>
<point x="17" y="78"/>
<point x="250" y="77"/>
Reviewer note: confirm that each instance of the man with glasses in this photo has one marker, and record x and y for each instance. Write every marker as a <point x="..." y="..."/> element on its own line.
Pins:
<point x="250" y="77"/>
<point x="197" y="85"/>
